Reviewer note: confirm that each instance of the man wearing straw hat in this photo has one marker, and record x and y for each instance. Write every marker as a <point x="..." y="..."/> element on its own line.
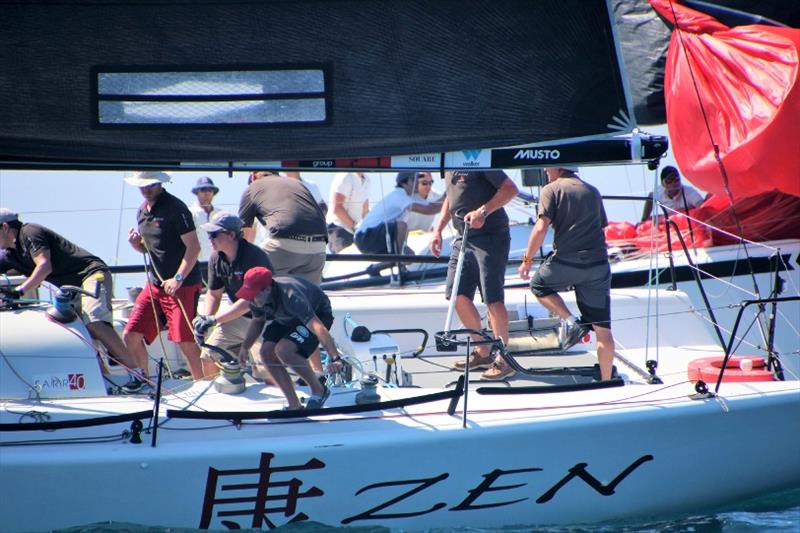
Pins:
<point x="167" y="237"/>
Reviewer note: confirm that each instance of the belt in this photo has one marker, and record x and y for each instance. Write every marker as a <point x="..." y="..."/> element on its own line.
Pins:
<point x="306" y="238"/>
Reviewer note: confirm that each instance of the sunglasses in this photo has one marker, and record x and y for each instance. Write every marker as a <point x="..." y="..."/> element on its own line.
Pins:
<point x="671" y="179"/>
<point x="205" y="189"/>
<point x="215" y="234"/>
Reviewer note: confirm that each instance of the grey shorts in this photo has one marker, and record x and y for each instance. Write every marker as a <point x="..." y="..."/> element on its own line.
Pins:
<point x="589" y="276"/>
<point x="485" y="263"/>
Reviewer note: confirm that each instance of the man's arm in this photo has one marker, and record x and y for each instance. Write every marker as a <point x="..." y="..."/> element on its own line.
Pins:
<point x="187" y="263"/>
<point x="436" y="241"/>
<point x="324" y="336"/>
<point x="239" y="308"/>
<point x="534" y="243"/>
<point x="340" y="211"/>
<point x="249" y="233"/>
<point x="213" y="299"/>
<point x="505" y="193"/>
<point x="43" y="268"/>
<point x="427" y="209"/>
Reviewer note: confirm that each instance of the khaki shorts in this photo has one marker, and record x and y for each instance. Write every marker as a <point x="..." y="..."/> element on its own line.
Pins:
<point x="229" y="336"/>
<point x="97" y="309"/>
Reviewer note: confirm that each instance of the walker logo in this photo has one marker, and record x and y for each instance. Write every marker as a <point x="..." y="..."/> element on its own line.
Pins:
<point x="59" y="383"/>
<point x="468" y="159"/>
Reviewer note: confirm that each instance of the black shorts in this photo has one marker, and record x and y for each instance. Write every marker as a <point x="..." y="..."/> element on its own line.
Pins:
<point x="297" y="333"/>
<point x="589" y="276"/>
<point x="373" y="240"/>
<point x="338" y="238"/>
<point x="485" y="263"/>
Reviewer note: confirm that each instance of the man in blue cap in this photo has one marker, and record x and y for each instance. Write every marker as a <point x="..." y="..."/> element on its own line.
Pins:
<point x="384" y="229"/>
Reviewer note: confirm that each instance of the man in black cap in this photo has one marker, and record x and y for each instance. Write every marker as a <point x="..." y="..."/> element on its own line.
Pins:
<point x="579" y="260"/>
<point x="383" y="230"/>
<point x="42" y="254"/>
<point x="231" y="258"/>
<point x="301" y="318"/>
<point x="202" y="211"/>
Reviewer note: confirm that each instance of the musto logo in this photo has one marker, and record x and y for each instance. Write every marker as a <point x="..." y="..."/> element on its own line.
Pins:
<point x="542" y="155"/>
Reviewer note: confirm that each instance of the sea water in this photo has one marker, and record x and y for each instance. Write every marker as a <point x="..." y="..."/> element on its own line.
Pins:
<point x="777" y="513"/>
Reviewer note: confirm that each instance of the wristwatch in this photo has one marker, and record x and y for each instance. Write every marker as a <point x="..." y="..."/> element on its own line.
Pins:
<point x="178" y="278"/>
<point x="483" y="212"/>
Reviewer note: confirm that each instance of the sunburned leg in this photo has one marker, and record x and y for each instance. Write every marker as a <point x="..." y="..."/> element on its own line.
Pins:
<point x="555" y="304"/>
<point x="279" y="374"/>
<point x="134" y="342"/>
<point x="605" y="351"/>
<point x="192" y="353"/>
<point x="103" y="332"/>
<point x="471" y="319"/>
<point x="498" y="318"/>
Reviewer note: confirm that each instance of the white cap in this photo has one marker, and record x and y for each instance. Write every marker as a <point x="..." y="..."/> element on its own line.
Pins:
<point x="147" y="177"/>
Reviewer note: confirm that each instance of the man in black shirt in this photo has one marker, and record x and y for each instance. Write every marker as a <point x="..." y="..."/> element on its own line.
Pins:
<point x="231" y="258"/>
<point x="301" y="317"/>
<point x="480" y="197"/>
<point x="167" y="236"/>
<point x="42" y="254"/>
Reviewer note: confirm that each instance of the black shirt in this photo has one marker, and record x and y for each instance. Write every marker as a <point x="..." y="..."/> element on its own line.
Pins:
<point x="467" y="191"/>
<point x="223" y="273"/>
<point x="71" y="263"/>
<point x="161" y="228"/>
<point x="284" y="206"/>
<point x="575" y="210"/>
<point x="293" y="299"/>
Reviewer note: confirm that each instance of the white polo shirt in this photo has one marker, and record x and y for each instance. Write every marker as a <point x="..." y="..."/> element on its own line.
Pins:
<point x="355" y="190"/>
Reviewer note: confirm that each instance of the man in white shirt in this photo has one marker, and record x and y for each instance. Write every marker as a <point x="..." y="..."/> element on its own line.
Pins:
<point x="672" y="194"/>
<point x="424" y="194"/>
<point x="349" y="203"/>
<point x="383" y="230"/>
<point x="202" y="210"/>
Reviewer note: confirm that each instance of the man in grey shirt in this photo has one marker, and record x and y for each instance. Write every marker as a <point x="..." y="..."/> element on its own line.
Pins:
<point x="579" y="261"/>
<point x="296" y="230"/>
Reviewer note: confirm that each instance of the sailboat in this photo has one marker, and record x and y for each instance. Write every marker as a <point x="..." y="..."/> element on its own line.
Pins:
<point x="404" y="441"/>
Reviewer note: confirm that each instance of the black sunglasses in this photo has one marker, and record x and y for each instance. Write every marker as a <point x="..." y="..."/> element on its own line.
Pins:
<point x="215" y="234"/>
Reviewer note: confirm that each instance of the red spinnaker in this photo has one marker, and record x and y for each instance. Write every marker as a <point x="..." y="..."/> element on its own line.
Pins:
<point x="747" y="82"/>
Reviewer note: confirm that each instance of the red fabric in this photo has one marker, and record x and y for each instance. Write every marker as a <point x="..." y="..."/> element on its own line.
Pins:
<point x="698" y="236"/>
<point x="747" y="80"/>
<point x="769" y="216"/>
<point x="620" y="232"/>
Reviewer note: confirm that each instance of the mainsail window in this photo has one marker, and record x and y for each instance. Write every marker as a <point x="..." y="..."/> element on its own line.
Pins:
<point x="238" y="97"/>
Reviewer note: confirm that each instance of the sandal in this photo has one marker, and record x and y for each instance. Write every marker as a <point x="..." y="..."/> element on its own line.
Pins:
<point x="476" y="362"/>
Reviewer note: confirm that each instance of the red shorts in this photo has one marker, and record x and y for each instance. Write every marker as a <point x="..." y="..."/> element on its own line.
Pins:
<point x="143" y="321"/>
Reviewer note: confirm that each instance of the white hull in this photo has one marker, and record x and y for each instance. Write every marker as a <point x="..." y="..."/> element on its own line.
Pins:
<point x="682" y="457"/>
<point x="634" y="452"/>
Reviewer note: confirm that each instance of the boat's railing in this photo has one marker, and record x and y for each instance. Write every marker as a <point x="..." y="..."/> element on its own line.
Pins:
<point x="773" y="363"/>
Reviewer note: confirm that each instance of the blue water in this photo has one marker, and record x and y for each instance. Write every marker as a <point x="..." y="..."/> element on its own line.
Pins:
<point x="777" y="513"/>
